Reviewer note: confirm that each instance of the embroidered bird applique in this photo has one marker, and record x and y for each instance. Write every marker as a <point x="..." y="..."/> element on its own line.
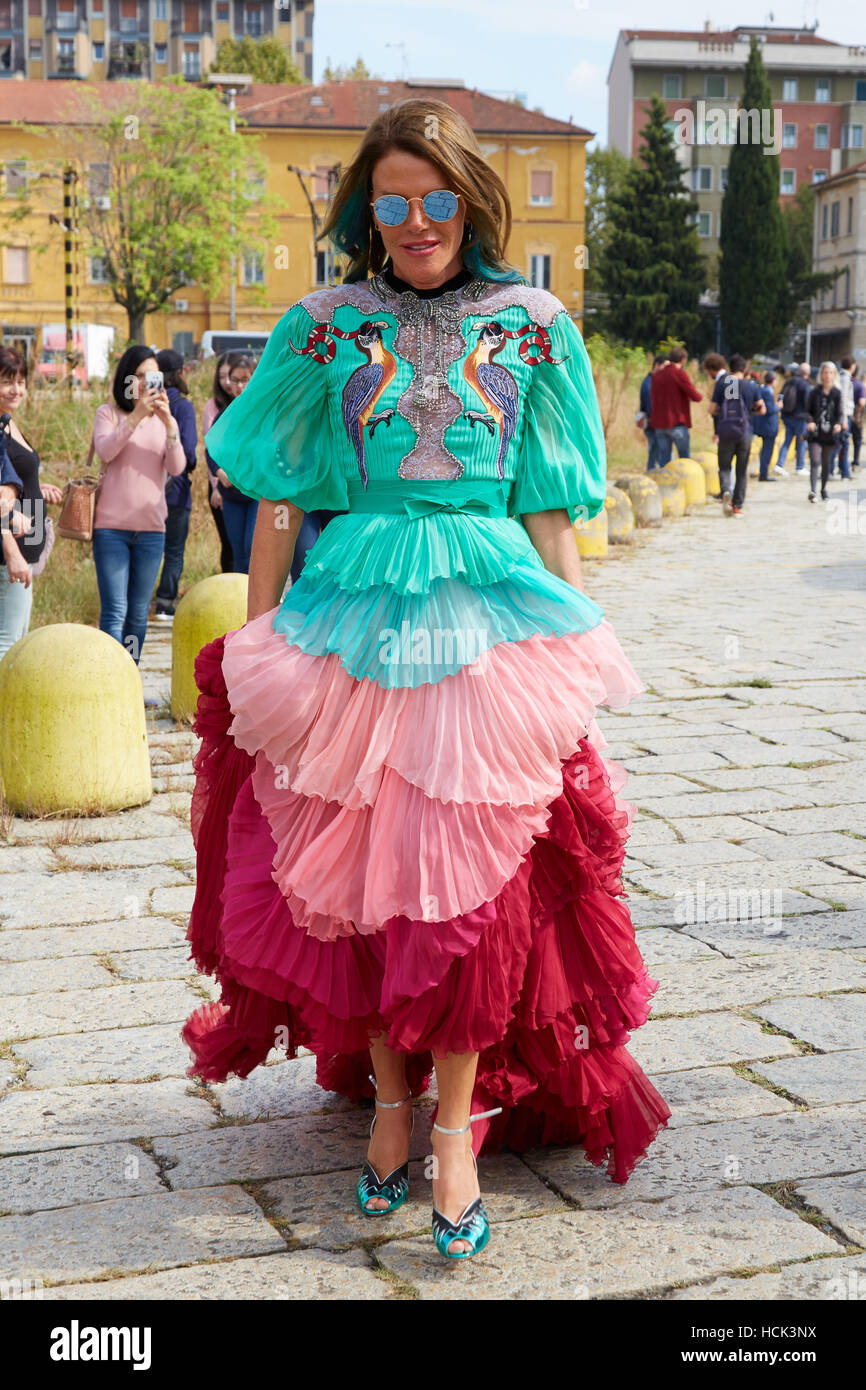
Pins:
<point x="494" y="385"/>
<point x="365" y="387"/>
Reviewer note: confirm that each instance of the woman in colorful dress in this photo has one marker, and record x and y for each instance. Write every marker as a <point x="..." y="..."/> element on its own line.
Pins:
<point x="409" y="848"/>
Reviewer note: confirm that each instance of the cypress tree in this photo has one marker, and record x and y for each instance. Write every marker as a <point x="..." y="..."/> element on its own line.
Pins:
<point x="653" y="270"/>
<point x="753" y="288"/>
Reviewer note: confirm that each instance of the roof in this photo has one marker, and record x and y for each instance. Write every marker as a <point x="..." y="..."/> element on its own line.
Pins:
<point x="346" y="105"/>
<point x="738" y="35"/>
<point x="859" y="168"/>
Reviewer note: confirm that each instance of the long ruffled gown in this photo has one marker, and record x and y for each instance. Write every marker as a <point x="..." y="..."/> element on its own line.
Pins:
<point x="402" y="819"/>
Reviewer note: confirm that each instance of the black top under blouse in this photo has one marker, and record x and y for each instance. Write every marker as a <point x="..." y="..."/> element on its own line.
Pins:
<point x="25" y="461"/>
<point x="462" y="277"/>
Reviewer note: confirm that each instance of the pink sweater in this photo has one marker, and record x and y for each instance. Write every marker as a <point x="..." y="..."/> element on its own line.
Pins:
<point x="137" y="463"/>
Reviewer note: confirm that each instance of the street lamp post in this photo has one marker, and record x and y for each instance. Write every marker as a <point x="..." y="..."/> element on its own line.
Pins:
<point x="230" y="83"/>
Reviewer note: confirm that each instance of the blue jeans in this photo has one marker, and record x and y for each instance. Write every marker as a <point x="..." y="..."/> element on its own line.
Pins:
<point x="767" y="442"/>
<point x="127" y="563"/>
<point x="794" y="429"/>
<point x="840" y="452"/>
<point x="176" y="532"/>
<point x="16" y="603"/>
<point x="666" y="439"/>
<point x="653" y="446"/>
<point x="240" y="521"/>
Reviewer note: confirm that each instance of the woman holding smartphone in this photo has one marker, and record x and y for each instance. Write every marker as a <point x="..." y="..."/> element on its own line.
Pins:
<point x="135" y="435"/>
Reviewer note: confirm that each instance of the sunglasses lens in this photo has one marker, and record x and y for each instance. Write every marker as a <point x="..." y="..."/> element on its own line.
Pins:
<point x="391" y="209"/>
<point x="441" y="206"/>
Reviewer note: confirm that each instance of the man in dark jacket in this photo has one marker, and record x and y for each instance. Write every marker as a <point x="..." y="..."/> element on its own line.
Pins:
<point x="795" y="415"/>
<point x="178" y="492"/>
<point x="643" y="417"/>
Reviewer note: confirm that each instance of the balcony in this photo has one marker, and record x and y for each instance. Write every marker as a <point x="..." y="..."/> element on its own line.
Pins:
<point x="129" y="58"/>
<point x="66" y="25"/>
<point x="205" y="29"/>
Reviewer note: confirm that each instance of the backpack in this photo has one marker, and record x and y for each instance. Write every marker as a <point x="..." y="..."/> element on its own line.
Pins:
<point x="733" y="424"/>
<point x="790" y="397"/>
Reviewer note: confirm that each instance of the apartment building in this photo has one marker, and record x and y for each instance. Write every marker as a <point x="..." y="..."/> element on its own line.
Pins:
<point x="818" y="95"/>
<point x="839" y="313"/>
<point x="105" y="39"/>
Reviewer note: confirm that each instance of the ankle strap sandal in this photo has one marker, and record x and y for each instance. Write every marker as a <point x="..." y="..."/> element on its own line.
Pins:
<point x="472" y="1225"/>
<point x="393" y="1189"/>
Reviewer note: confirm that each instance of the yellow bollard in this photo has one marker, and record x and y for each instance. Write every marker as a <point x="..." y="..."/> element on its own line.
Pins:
<point x="672" y="494"/>
<point x="644" y="496"/>
<point x="210" y="608"/>
<point x="72" y="715"/>
<point x="691" y="475"/>
<point x="710" y="465"/>
<point x="591" y="536"/>
<point x="620" y="515"/>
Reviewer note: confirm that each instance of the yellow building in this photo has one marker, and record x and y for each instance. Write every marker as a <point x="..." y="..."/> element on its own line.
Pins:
<point x="313" y="129"/>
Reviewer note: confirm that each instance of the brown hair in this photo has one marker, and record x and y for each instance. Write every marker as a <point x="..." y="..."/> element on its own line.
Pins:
<point x="12" y="364"/>
<point x="436" y="132"/>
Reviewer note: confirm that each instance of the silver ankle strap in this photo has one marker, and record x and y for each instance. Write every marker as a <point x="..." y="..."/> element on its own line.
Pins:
<point x="485" y="1115"/>
<point x="389" y="1104"/>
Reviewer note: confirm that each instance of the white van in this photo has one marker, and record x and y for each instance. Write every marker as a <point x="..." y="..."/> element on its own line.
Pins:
<point x="216" y="341"/>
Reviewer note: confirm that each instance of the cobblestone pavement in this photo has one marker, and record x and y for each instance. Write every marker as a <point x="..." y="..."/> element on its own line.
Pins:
<point x="747" y="876"/>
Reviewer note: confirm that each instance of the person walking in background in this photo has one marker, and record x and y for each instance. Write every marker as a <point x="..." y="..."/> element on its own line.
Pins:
<point x="767" y="427"/>
<point x="21" y="556"/>
<point x="137" y="439"/>
<point x="845" y="382"/>
<point x="859" y="393"/>
<point x="178" y="493"/>
<point x="214" y="408"/>
<point x="714" y="365"/>
<point x="734" y="400"/>
<point x="239" y="511"/>
<point x="672" y="390"/>
<point x="825" y="425"/>
<point x="795" y="415"/>
<point x="644" y="413"/>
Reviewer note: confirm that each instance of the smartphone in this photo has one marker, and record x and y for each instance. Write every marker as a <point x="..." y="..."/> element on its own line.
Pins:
<point x="153" y="380"/>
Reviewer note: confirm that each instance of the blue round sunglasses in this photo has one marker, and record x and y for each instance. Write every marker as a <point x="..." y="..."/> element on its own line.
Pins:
<point x="392" y="209"/>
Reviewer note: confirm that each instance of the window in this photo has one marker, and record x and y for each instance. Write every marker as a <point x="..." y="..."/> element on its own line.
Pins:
<point x="845" y="287"/>
<point x="99" y="52"/>
<point x="16" y="175"/>
<point x="789" y="181"/>
<point x="819" y="175"/>
<point x="160" y="52"/>
<point x="321" y="268"/>
<point x="822" y="137"/>
<point x="852" y="137"/>
<point x="129" y="16"/>
<point x="191" y="18"/>
<point x="98" y="271"/>
<point x="704" y="223"/>
<point x="98" y="179"/>
<point x="67" y="17"/>
<point x="191" y="60"/>
<point x="222" y="14"/>
<point x="98" y="7"/>
<point x="789" y="89"/>
<point x="789" y="136"/>
<point x="702" y="179"/>
<point x="850" y="216"/>
<point x="321" y="183"/>
<point x="723" y="178"/>
<point x="253" y="21"/>
<point x="160" y="10"/>
<point x="34" y="50"/>
<point x="16" y="268"/>
<point x="822" y="89"/>
<point x="539" y="272"/>
<point x="834" y="219"/>
<point x="860" y="90"/>
<point x="824" y="223"/>
<point x="34" y="8"/>
<point x="253" y="268"/>
<point x="541" y="188"/>
<point x="672" y="85"/>
<point x="715" y="84"/>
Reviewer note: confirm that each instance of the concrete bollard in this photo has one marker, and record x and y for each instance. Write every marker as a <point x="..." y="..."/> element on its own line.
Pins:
<point x="74" y="732"/>
<point x="691" y="475"/>
<point x="644" y="496"/>
<point x="210" y="608"/>
<point x="672" y="494"/>
<point x="591" y="536"/>
<point x="710" y="465"/>
<point x="620" y="515"/>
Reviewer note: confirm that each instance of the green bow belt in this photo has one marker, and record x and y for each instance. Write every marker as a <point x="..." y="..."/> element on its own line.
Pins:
<point x="416" y="498"/>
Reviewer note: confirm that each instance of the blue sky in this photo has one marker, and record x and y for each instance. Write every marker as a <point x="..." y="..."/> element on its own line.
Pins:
<point x="557" y="52"/>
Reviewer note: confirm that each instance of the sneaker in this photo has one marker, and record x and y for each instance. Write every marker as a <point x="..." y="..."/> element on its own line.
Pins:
<point x="736" y="511"/>
<point x="824" y="494"/>
<point x="812" y="497"/>
<point x="800" y="470"/>
<point x="727" y="506"/>
<point x="164" y="617"/>
<point x="779" y="471"/>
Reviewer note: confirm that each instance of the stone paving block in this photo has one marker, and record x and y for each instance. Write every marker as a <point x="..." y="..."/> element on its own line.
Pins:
<point x="707" y="984"/>
<point x="48" y="899"/>
<point x="634" y="1251"/>
<point x="753" y="873"/>
<point x="811" y="820"/>
<point x="176" y="902"/>
<point x="704" y="828"/>
<point x="112" y="1054"/>
<point x="687" y="763"/>
<point x="137" y="822"/>
<point x="708" y="803"/>
<point x="646" y="831"/>
<point x="699" y="854"/>
<point x="17" y="859"/>
<point x="124" y="853"/>
<point x="851" y="896"/>
<point x="798" y="782"/>
<point x="819" y="846"/>
<point x="834" y="1024"/>
<point x="764" y="1148"/>
<point x="275" y="1149"/>
<point x="322" y="1208"/>
<point x="170" y="963"/>
<point x="303" y="1275"/>
<point x="132" y="1233"/>
<point x="842" y="1201"/>
<point x="43" y="943"/>
<point x="658" y="945"/>
<point x="84" y="1011"/>
<point x="706" y="1095"/>
<point x="817" y="1281"/>
<point x="643" y="785"/>
<point x="40" y="976"/>
<point x="285" y="1089"/>
<point x="64" y="1116"/>
<point x="73" y="1177"/>
<point x="680" y="1044"/>
<point x="809" y="929"/>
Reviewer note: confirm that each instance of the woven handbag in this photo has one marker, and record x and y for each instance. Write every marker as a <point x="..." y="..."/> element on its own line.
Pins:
<point x="78" y="507"/>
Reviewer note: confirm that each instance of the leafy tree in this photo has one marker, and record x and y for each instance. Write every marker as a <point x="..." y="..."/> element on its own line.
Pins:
<point x="605" y="173"/>
<point x="358" y="73"/>
<point x="753" y="253"/>
<point x="802" y="281"/>
<point x="652" y="268"/>
<point x="266" y="60"/>
<point x="615" y="368"/>
<point x="161" y="215"/>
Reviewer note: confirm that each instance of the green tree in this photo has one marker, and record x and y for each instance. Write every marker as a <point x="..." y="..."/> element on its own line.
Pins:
<point x="753" y="253"/>
<point x="803" y="282"/>
<point x="359" y="72"/>
<point x="605" y="174"/>
<point x="652" y="268"/>
<point x="266" y="60"/>
<point x="158" y="202"/>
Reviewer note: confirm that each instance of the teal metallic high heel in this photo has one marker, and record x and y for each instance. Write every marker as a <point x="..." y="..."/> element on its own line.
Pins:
<point x="394" y="1188"/>
<point x="472" y="1224"/>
